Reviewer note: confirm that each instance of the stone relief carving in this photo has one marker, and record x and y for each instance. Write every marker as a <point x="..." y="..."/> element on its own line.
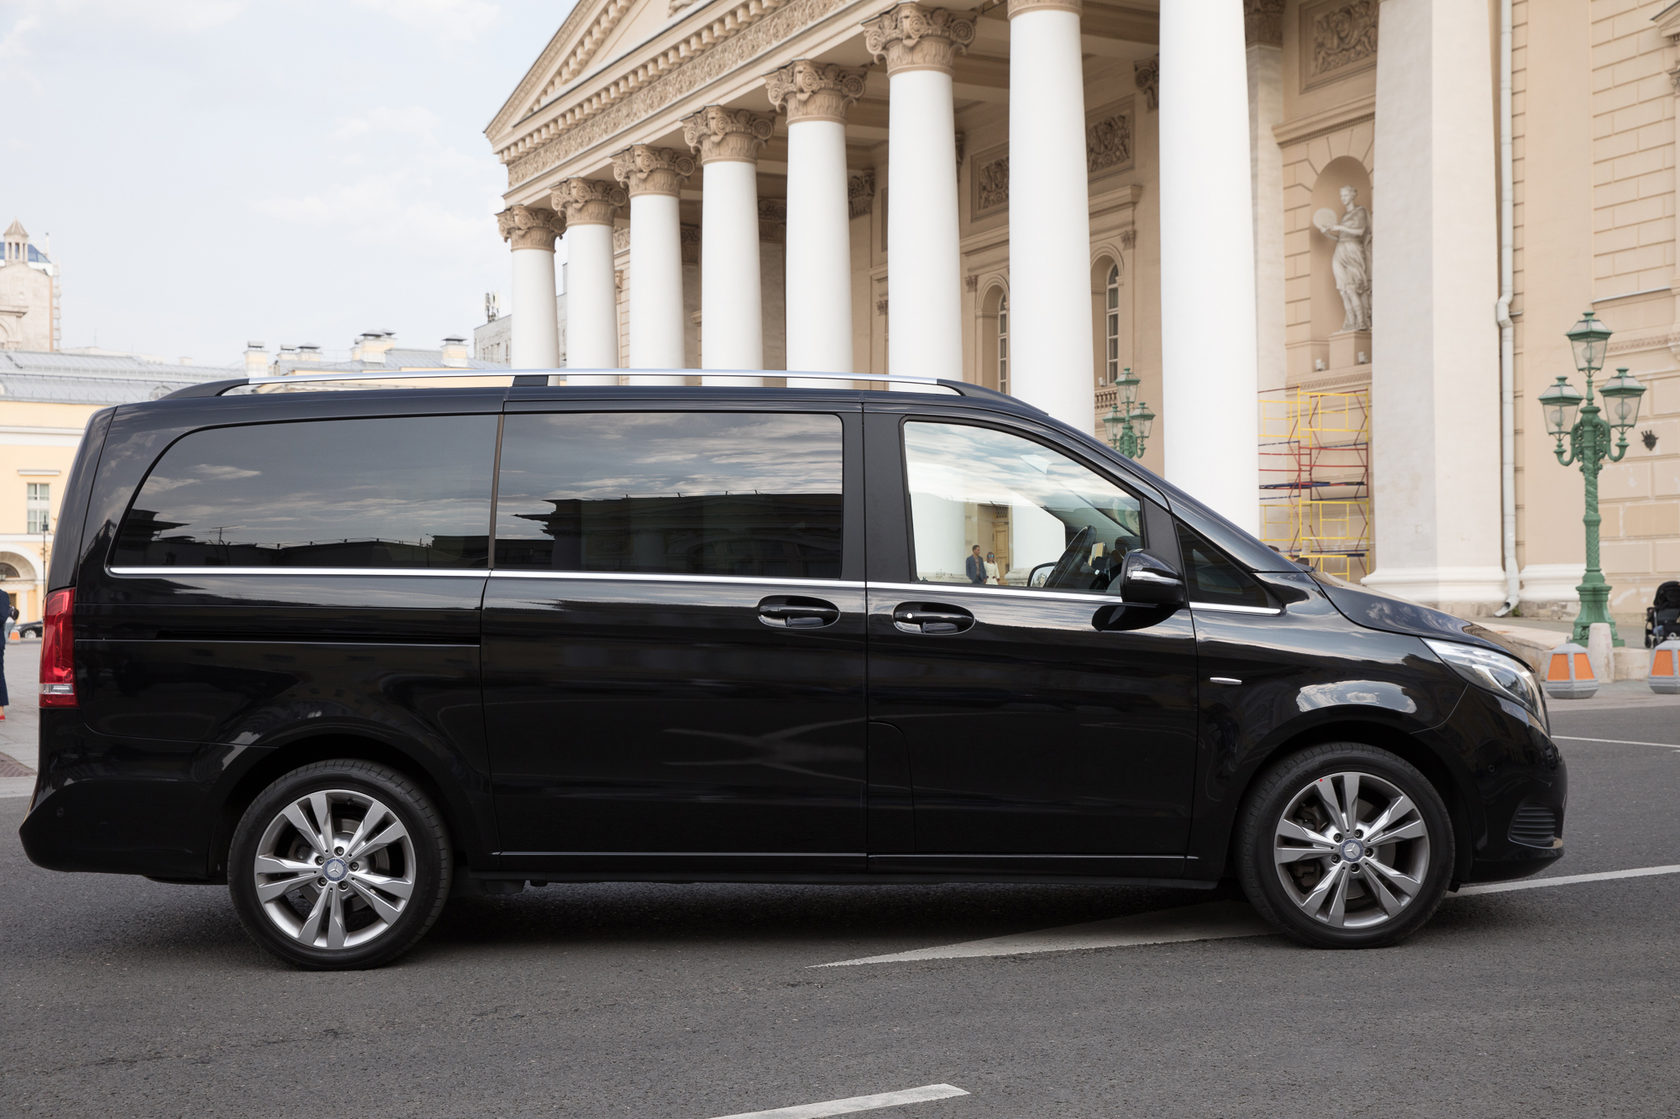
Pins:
<point x="530" y="227"/>
<point x="772" y="219"/>
<point x="991" y="181"/>
<point x="688" y="237"/>
<point x="645" y="169"/>
<point x="1128" y="239"/>
<point x="621" y="238"/>
<point x="1146" y="75"/>
<point x="622" y="112"/>
<point x="860" y="192"/>
<point x="1108" y="142"/>
<point x="1339" y="38"/>
<point x="720" y="134"/>
<point x="914" y="37"/>
<point x="1351" y="262"/>
<point x="808" y="90"/>
<point x="588" y="201"/>
<point x="1263" y="22"/>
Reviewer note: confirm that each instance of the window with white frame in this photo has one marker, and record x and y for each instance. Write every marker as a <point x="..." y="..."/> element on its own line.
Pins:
<point x="1003" y="344"/>
<point x="1111" y="327"/>
<point x="38" y="504"/>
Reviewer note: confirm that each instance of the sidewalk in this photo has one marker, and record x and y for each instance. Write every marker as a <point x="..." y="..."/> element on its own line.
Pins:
<point x="18" y="742"/>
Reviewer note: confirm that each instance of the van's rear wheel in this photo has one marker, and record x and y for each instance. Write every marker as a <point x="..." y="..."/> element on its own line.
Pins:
<point x="339" y="864"/>
<point x="1345" y="846"/>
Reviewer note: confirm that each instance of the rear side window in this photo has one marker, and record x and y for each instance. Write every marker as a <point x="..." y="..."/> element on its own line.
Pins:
<point x="707" y="493"/>
<point x="411" y="491"/>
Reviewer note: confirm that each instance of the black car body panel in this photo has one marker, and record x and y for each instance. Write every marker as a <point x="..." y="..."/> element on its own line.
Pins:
<point x="623" y="723"/>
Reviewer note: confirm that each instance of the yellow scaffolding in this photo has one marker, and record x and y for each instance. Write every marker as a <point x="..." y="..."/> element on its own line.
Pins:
<point x="1315" y="475"/>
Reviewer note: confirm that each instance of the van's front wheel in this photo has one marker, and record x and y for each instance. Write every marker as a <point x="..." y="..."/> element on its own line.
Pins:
<point x="339" y="864"/>
<point x="1345" y="846"/>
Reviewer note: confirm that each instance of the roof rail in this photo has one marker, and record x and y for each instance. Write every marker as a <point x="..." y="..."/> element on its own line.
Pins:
<point x="541" y="377"/>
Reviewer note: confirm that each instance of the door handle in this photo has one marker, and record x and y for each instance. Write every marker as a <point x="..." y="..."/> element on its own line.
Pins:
<point x="791" y="612"/>
<point x="931" y="618"/>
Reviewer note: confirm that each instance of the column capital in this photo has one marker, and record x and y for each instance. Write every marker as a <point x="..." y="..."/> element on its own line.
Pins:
<point x="914" y="37"/>
<point x="718" y="134"/>
<point x="645" y="169"/>
<point x="530" y="227"/>
<point x="1021" y="7"/>
<point x="809" y="90"/>
<point x="587" y="201"/>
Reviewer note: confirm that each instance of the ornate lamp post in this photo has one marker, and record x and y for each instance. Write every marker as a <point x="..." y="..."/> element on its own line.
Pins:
<point x="1589" y="446"/>
<point x="1129" y="420"/>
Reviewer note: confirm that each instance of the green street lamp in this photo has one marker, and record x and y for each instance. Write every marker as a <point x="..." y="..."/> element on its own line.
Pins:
<point x="1589" y="446"/>
<point x="1129" y="420"/>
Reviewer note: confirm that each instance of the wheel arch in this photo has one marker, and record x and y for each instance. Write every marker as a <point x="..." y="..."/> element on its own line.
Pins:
<point x="464" y="832"/>
<point x="1384" y="737"/>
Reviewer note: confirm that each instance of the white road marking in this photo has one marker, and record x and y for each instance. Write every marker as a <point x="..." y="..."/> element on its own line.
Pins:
<point x="1615" y="741"/>
<point x="855" y="1104"/>
<point x="1568" y="880"/>
<point x="1214" y="920"/>
<point x="1218" y="920"/>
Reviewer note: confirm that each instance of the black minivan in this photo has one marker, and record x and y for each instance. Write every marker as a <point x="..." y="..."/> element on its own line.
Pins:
<point x="352" y="651"/>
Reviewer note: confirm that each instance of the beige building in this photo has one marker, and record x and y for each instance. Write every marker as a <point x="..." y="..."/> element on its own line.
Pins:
<point x="28" y="293"/>
<point x="1339" y="240"/>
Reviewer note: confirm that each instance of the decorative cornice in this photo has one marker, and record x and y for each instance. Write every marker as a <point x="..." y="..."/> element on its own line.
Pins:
<point x="645" y="169"/>
<point x="720" y="135"/>
<point x="1263" y="22"/>
<point x="588" y="201"/>
<point x="808" y="90"/>
<point x="530" y="227"/>
<point x="1021" y="7"/>
<point x="715" y="49"/>
<point x="1146" y="74"/>
<point x="860" y="192"/>
<point x="913" y="37"/>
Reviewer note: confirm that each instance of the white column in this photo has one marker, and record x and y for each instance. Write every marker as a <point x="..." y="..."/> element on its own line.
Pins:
<point x="731" y="292"/>
<point x="1210" y="365"/>
<point x="924" y="291"/>
<point x="1434" y="342"/>
<point x="819" y="240"/>
<point x="591" y="299"/>
<point x="1050" y="359"/>
<point x="653" y="176"/>
<point x="530" y="231"/>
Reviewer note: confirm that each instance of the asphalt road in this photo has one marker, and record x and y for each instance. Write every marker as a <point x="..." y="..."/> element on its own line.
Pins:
<point x="126" y="997"/>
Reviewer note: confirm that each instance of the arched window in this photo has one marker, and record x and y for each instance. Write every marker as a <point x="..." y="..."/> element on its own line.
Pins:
<point x="1003" y="344"/>
<point x="1111" y="326"/>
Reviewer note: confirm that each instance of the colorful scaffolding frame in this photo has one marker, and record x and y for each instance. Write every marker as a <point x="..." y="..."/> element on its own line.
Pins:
<point x="1315" y="478"/>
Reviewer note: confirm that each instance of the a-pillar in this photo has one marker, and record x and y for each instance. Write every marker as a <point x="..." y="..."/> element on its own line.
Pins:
<point x="731" y="289"/>
<point x="1435" y="345"/>
<point x="653" y="176"/>
<point x="924" y="286"/>
<point x="589" y="206"/>
<point x="530" y="232"/>
<point x="1209" y="361"/>
<point x="815" y="97"/>
<point x="1050" y="359"/>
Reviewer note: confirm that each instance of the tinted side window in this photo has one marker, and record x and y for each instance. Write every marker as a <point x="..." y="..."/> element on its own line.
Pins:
<point x="1212" y="578"/>
<point x="689" y="493"/>
<point x="395" y="492"/>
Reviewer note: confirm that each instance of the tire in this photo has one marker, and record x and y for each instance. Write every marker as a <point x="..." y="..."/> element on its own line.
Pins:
<point x="283" y="865"/>
<point x="1308" y="870"/>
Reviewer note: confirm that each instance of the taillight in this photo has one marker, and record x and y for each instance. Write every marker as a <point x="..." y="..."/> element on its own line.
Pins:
<point x="58" y="662"/>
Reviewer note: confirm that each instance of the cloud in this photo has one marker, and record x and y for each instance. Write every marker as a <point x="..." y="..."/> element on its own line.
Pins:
<point x="454" y="19"/>
<point x="384" y="120"/>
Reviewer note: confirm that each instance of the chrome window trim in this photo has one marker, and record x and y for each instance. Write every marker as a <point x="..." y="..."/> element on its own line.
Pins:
<point x="664" y="577"/>
<point x="928" y="590"/>
<point x="1269" y="611"/>
<point x="427" y="572"/>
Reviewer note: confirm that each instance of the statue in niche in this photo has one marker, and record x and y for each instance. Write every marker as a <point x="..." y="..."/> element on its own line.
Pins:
<point x="1351" y="263"/>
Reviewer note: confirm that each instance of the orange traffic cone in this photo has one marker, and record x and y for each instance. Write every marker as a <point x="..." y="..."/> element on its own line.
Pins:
<point x="1569" y="673"/>
<point x="1665" y="667"/>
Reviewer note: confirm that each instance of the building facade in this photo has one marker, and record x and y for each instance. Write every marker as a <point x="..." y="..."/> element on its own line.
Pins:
<point x="1338" y="241"/>
<point x="28" y="293"/>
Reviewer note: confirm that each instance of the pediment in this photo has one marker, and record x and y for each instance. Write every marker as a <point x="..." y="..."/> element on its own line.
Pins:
<point x="594" y="34"/>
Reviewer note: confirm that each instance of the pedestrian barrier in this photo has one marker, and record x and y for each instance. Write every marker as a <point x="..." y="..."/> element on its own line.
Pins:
<point x="1569" y="673"/>
<point x="1665" y="667"/>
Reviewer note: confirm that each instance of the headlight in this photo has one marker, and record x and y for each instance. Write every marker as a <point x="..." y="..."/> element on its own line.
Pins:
<point x="1499" y="673"/>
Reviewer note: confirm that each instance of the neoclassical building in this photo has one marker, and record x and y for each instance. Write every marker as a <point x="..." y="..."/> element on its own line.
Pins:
<point x="1339" y="241"/>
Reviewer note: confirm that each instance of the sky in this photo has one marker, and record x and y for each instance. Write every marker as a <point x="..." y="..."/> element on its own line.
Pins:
<point x="213" y="172"/>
